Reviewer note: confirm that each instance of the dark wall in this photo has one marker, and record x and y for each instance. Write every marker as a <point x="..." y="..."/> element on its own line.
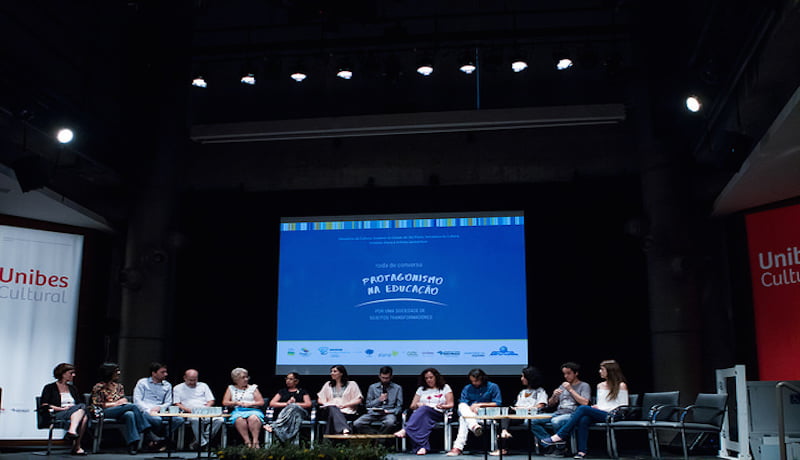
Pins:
<point x="586" y="282"/>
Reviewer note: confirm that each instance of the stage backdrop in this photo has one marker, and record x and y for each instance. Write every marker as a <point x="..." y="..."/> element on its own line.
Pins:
<point x="774" y="241"/>
<point x="39" y="285"/>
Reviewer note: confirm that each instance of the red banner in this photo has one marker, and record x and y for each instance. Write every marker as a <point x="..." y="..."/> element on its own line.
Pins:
<point x="774" y="242"/>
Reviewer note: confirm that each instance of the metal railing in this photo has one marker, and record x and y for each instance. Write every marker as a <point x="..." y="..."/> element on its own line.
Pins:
<point x="779" y="401"/>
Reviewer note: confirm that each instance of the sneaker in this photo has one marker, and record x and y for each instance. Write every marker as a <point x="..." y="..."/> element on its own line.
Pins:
<point x="547" y="442"/>
<point x="454" y="452"/>
<point x="496" y="453"/>
<point x="422" y="451"/>
<point x="477" y="430"/>
<point x="579" y="456"/>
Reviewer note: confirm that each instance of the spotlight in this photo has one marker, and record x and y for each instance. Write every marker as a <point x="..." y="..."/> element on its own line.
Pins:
<point x="65" y="135"/>
<point x="248" y="73"/>
<point x="249" y="79"/>
<point x="425" y="70"/>
<point x="564" y="64"/>
<point x="298" y="76"/>
<point x="344" y="74"/>
<point x="468" y="68"/>
<point x="562" y="59"/>
<point x="199" y="82"/>
<point x="425" y="64"/>
<point x="468" y="60"/>
<point x="519" y="65"/>
<point x="693" y="104"/>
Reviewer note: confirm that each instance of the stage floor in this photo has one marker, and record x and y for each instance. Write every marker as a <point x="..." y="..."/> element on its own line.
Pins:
<point x="515" y="455"/>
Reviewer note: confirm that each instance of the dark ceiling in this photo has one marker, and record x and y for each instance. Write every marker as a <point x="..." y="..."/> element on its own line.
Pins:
<point x="119" y="73"/>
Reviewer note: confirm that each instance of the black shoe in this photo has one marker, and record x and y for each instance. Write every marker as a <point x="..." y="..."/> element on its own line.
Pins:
<point x="132" y="448"/>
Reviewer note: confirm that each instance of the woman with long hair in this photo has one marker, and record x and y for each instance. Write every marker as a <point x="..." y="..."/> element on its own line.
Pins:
<point x="338" y="400"/>
<point x="432" y="398"/>
<point x="612" y="392"/>
<point x="63" y="398"/>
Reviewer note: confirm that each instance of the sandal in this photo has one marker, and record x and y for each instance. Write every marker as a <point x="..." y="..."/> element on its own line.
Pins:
<point x="497" y="452"/>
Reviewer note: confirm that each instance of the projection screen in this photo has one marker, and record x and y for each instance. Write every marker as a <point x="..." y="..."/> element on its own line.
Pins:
<point x="410" y="291"/>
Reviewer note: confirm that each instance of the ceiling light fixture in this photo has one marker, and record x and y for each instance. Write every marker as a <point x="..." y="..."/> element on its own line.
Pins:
<point x="564" y="63"/>
<point x="693" y="104"/>
<point x="199" y="82"/>
<point x="425" y="64"/>
<point x="519" y="65"/>
<point x="468" y="68"/>
<point x="249" y="79"/>
<point x="65" y="135"/>
<point x="344" y="74"/>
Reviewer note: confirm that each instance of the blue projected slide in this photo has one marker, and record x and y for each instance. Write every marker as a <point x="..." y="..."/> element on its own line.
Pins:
<point x="406" y="291"/>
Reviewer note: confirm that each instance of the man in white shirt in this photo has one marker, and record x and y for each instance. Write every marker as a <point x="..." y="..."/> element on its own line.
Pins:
<point x="191" y="395"/>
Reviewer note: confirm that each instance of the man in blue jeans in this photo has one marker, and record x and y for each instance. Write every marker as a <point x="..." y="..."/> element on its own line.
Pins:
<point x="479" y="393"/>
<point x="154" y="393"/>
<point x="571" y="394"/>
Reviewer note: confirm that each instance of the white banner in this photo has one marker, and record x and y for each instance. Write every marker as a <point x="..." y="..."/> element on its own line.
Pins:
<point x="39" y="287"/>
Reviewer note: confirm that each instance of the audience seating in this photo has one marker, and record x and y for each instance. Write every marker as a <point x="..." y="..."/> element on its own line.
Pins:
<point x="704" y="416"/>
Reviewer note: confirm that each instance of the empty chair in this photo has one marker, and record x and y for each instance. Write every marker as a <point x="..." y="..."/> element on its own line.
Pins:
<point x="704" y="416"/>
<point x="640" y="419"/>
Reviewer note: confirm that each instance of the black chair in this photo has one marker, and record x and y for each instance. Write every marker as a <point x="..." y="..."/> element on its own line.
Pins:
<point x="46" y="420"/>
<point x="628" y="410"/>
<point x="704" y="416"/>
<point x="99" y="423"/>
<point x="639" y="418"/>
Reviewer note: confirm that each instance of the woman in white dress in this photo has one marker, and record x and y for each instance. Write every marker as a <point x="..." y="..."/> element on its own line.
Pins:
<point x="247" y="415"/>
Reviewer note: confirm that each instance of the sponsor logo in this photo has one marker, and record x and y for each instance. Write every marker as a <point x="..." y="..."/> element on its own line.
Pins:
<point x="369" y="351"/>
<point x="503" y="351"/>
<point x="323" y="350"/>
<point x="305" y="352"/>
<point x="449" y="353"/>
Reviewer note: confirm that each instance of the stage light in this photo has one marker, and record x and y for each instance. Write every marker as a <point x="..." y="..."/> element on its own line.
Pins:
<point x="562" y="58"/>
<point x="298" y="76"/>
<point x="65" y="135"/>
<point x="425" y="63"/>
<point x="199" y="82"/>
<point x="519" y="65"/>
<point x="344" y="74"/>
<point x="425" y="70"/>
<point x="564" y="64"/>
<point x="249" y="79"/>
<point x="693" y="104"/>
<point x="468" y="60"/>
